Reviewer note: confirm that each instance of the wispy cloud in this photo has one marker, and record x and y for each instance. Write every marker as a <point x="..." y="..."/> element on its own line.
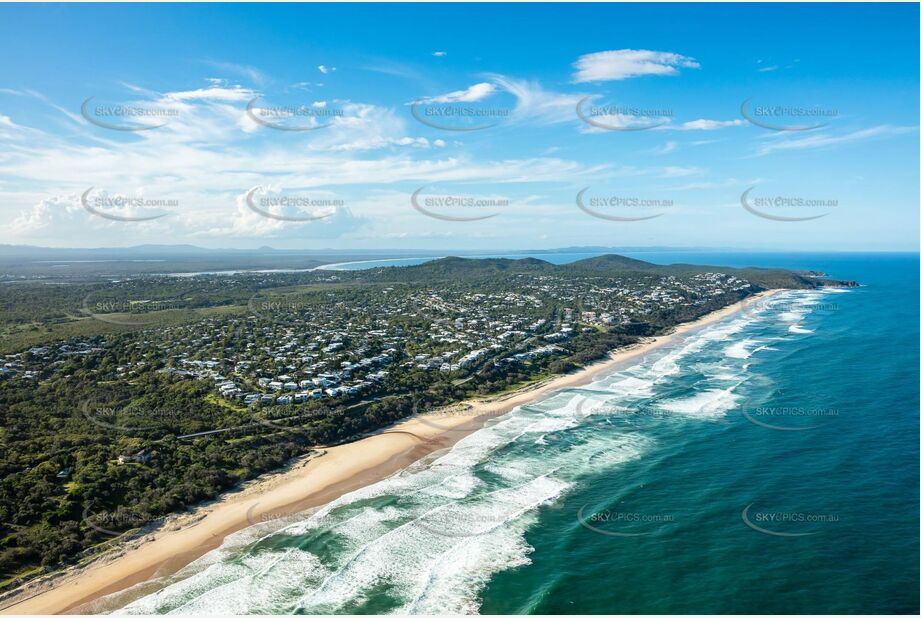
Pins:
<point x="253" y="74"/>
<point x="41" y="97"/>
<point x="716" y="184"/>
<point x="476" y="92"/>
<point x="626" y="63"/>
<point x="666" y="148"/>
<point x="657" y="123"/>
<point x="703" y="124"/>
<point x="677" y="171"/>
<point x="536" y="104"/>
<point x="214" y="93"/>
<point x="822" y="140"/>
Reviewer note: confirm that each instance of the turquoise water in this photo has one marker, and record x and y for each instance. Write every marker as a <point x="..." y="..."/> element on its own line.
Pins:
<point x="765" y="464"/>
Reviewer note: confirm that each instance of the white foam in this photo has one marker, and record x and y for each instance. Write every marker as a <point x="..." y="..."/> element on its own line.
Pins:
<point x="713" y="403"/>
<point x="740" y="349"/>
<point x="435" y="547"/>
<point x="790" y="316"/>
<point x="631" y="386"/>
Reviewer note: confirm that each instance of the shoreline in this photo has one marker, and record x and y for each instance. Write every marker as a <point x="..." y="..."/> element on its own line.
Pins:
<point x="310" y="481"/>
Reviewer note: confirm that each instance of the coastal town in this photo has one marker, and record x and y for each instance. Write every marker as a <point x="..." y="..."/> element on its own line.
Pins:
<point x="287" y="351"/>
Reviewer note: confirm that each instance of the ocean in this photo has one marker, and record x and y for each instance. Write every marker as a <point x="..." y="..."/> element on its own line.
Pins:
<point x="767" y="463"/>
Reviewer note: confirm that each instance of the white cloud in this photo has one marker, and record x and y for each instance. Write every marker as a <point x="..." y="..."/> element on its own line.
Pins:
<point x="666" y="148"/>
<point x="476" y="92"/>
<point x="712" y="184"/>
<point x="214" y="93"/>
<point x="246" y="223"/>
<point x="63" y="218"/>
<point x="44" y="99"/>
<point x="625" y="63"/>
<point x="821" y="140"/>
<point x="325" y="70"/>
<point x="707" y="125"/>
<point x="440" y="54"/>
<point x="377" y="143"/>
<point x="534" y="103"/>
<point x="41" y="215"/>
<point x="251" y="73"/>
<point x="616" y="121"/>
<point x="676" y="171"/>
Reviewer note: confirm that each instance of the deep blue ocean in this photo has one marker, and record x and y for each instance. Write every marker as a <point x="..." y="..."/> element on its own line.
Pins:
<point x="767" y="463"/>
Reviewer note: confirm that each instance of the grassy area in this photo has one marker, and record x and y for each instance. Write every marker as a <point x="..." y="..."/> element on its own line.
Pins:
<point x="16" y="338"/>
<point x="28" y="572"/>
<point x="220" y="401"/>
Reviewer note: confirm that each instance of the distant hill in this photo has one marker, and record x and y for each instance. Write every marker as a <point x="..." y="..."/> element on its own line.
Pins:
<point x="609" y="265"/>
<point x="459" y="265"/>
<point x="611" y="262"/>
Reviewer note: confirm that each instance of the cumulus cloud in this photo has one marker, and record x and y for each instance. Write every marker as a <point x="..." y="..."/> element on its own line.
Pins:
<point x="626" y="63"/>
<point x="325" y="70"/>
<point x="336" y="220"/>
<point x="63" y="217"/>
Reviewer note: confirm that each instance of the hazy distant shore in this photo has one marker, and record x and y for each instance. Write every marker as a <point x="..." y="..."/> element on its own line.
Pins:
<point x="311" y="481"/>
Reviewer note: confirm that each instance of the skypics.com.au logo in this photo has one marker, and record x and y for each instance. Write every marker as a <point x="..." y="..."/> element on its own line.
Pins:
<point x="291" y="207"/>
<point x="620" y="206"/>
<point x="793" y="118"/>
<point x="454" y="206"/>
<point x="626" y="118"/>
<point x="779" y="207"/>
<point x="118" y="207"/>
<point x="295" y="118"/>
<point x="127" y="117"/>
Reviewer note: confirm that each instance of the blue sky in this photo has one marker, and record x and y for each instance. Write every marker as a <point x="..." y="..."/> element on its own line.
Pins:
<point x="315" y="126"/>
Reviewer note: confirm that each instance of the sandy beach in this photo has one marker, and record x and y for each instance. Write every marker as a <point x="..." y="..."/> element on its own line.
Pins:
<point x="311" y="481"/>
